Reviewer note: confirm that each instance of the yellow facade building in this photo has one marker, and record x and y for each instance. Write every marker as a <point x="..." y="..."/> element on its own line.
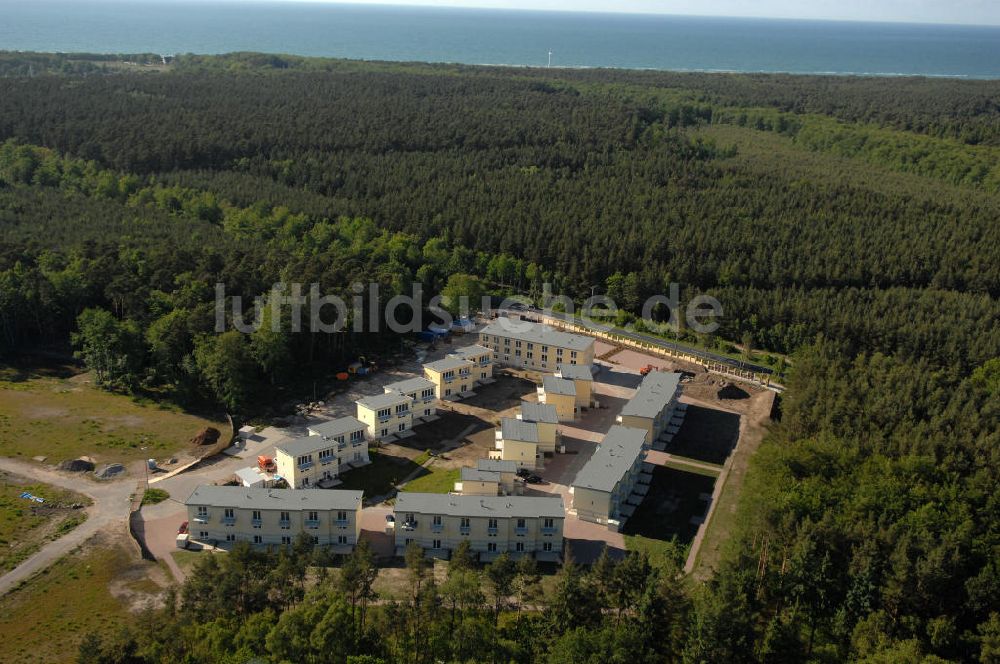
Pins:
<point x="452" y="377"/>
<point x="518" y="525"/>
<point x="613" y="481"/>
<point x="533" y="346"/>
<point x="223" y="515"/>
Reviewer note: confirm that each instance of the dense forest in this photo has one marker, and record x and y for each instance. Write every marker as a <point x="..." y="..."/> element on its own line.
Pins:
<point x="853" y="223"/>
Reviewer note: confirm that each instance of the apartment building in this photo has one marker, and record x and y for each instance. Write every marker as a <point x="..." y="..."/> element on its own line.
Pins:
<point x="518" y="441"/>
<point x="387" y="414"/>
<point x="482" y="361"/>
<point x="224" y="515"/>
<point x="652" y="407"/>
<point x="546" y="421"/>
<point x="533" y="346"/>
<point x="582" y="376"/>
<point x="560" y="393"/>
<point x="422" y="392"/>
<point x="518" y="525"/>
<point x="475" y="482"/>
<point x="509" y="482"/>
<point x="452" y="377"/>
<point x="612" y="482"/>
<point x="316" y="460"/>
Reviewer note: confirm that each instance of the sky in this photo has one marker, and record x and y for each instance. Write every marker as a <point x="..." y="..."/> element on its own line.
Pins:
<point x="974" y="12"/>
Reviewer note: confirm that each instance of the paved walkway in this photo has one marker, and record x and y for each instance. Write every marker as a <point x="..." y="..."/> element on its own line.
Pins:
<point x="110" y="510"/>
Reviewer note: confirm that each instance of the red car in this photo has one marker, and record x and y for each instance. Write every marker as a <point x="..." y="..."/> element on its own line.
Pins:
<point x="183" y="529"/>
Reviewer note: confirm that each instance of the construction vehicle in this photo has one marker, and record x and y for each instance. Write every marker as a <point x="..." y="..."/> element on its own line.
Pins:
<point x="646" y="369"/>
<point x="266" y="464"/>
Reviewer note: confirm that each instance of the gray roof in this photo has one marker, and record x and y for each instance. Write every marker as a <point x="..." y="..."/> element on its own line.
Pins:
<point x="448" y="363"/>
<point x="415" y="384"/>
<point x="475" y="349"/>
<point x="576" y="371"/>
<point x="612" y="459"/>
<point x="384" y="400"/>
<point x="511" y="429"/>
<point x="553" y="385"/>
<point x="656" y="390"/>
<point x="304" y="445"/>
<point x="337" y="427"/>
<point x="477" y="475"/>
<point x="275" y="499"/>
<point x="532" y="411"/>
<point x="480" y="506"/>
<point x="496" y="465"/>
<point x="545" y="335"/>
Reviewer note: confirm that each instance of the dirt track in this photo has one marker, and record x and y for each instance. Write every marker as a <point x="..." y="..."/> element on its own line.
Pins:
<point x="109" y="511"/>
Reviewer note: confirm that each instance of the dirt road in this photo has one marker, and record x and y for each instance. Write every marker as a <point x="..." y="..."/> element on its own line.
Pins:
<point x="109" y="511"/>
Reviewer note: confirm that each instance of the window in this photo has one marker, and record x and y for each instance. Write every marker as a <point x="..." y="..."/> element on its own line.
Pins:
<point x="529" y="354"/>
<point x="202" y="513"/>
<point x="384" y="413"/>
<point x="548" y="523"/>
<point x="437" y="520"/>
<point x="341" y="539"/>
<point x="286" y="539"/>
<point x="491" y="527"/>
<point x="517" y="353"/>
<point x="402" y="408"/>
<point x="257" y="539"/>
<point x="385" y="432"/>
<point x="519" y="547"/>
<point x="203" y="534"/>
<point x="427" y="411"/>
<point x="491" y="547"/>
<point x="463" y="526"/>
<point x="315" y="539"/>
<point x="572" y="354"/>
<point x="447" y="392"/>
<point x="325" y="456"/>
<point x="436" y="544"/>
<point x="520" y="523"/>
<point x="231" y="537"/>
<point x="256" y="518"/>
<point x="517" y="344"/>
<point x="357" y="457"/>
<point x="342" y="516"/>
<point x="546" y="546"/>
<point x="545" y="349"/>
<point x="285" y="522"/>
<point x="545" y="358"/>
<point x="402" y="426"/>
<point x="357" y="436"/>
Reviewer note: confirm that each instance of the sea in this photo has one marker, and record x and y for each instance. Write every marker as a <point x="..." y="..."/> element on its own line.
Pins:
<point x="501" y="37"/>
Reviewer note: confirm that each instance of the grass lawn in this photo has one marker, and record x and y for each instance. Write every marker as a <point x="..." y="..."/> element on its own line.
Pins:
<point x="45" y="619"/>
<point x="154" y="496"/>
<point x="666" y="512"/>
<point x="26" y="525"/>
<point x="437" y="480"/>
<point x="63" y="418"/>
<point x="378" y="477"/>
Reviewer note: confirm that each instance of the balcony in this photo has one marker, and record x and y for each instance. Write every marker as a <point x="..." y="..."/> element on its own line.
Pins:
<point x="402" y="413"/>
<point x="285" y="524"/>
<point x="306" y="466"/>
<point x="383" y="418"/>
<point x="492" y="531"/>
<point x="229" y="520"/>
<point x="409" y="525"/>
<point x="548" y="530"/>
<point x="312" y="523"/>
<point x="522" y="531"/>
<point x="464" y="530"/>
<point x="201" y="518"/>
<point x="437" y="527"/>
<point x="341" y="523"/>
<point x="256" y="523"/>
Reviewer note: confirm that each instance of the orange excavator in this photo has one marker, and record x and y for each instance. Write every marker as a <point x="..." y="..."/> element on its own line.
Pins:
<point x="646" y="369"/>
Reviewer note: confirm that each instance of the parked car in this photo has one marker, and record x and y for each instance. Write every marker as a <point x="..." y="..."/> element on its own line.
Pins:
<point x="183" y="528"/>
<point x="533" y="479"/>
<point x="523" y="472"/>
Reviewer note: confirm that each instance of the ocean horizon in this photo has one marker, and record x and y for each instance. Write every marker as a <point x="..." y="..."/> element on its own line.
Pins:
<point x="504" y="37"/>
